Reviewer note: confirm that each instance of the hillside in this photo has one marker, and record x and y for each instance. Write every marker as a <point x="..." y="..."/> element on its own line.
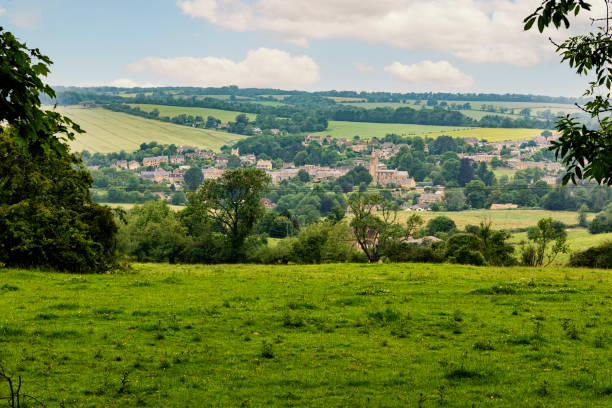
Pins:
<point x="113" y="131"/>
<point x="170" y="111"/>
<point x="311" y="336"/>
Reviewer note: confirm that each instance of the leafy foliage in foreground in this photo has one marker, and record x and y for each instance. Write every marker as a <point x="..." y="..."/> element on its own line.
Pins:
<point x="47" y="216"/>
<point x="587" y="153"/>
<point x="311" y="336"/>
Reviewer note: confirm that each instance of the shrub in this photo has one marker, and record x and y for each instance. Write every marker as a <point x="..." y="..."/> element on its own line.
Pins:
<point x="324" y="242"/>
<point x="465" y="249"/>
<point x="594" y="257"/>
<point x="440" y="224"/>
<point x="398" y="251"/>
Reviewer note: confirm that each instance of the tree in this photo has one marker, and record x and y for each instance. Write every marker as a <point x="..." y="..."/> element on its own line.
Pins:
<point x="413" y="222"/>
<point x="587" y="153"/>
<point x="582" y="216"/>
<point x="232" y="204"/>
<point x="152" y="233"/>
<point x="303" y="176"/>
<point x="233" y="162"/>
<point x="372" y="229"/>
<point x="440" y="224"/>
<point x="179" y="198"/>
<point x="193" y="178"/>
<point x="454" y="199"/>
<point x="546" y="232"/>
<point x="476" y="194"/>
<point x="466" y="172"/>
<point x="47" y="215"/>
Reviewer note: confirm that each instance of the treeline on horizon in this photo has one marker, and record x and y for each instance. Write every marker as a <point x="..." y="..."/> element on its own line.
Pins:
<point x="369" y="96"/>
<point x="311" y="105"/>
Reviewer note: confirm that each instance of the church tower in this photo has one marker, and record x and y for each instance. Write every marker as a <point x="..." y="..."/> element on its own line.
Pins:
<point x="374" y="168"/>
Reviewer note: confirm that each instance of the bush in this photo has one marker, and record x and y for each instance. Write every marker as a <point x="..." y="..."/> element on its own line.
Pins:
<point x="324" y="243"/>
<point x="594" y="257"/>
<point x="321" y="242"/>
<point x="397" y="251"/>
<point x="153" y="233"/>
<point x="440" y="224"/>
<point x="465" y="249"/>
<point x="602" y="222"/>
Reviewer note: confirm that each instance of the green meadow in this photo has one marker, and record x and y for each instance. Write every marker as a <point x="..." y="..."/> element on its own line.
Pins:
<point x="578" y="239"/>
<point x="311" y="336"/>
<point x="108" y="131"/>
<point x="170" y="111"/>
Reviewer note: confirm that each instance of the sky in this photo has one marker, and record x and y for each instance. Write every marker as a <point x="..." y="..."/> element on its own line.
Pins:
<point x="361" y="45"/>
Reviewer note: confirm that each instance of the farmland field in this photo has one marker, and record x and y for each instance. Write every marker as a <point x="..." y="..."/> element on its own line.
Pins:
<point x="578" y="239"/>
<point x="312" y="336"/>
<point x="109" y="131"/>
<point x="506" y="219"/>
<point x="367" y="130"/>
<point x="170" y="111"/>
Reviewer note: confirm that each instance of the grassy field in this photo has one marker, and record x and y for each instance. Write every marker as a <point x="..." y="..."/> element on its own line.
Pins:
<point x="506" y="219"/>
<point x="368" y="130"/>
<point x="109" y="131"/>
<point x="578" y="239"/>
<point x="170" y="111"/>
<point x="129" y="206"/>
<point x="504" y="172"/>
<point x="405" y="335"/>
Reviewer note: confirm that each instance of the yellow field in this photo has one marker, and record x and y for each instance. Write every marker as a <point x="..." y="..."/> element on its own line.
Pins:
<point x="502" y="219"/>
<point x="109" y="131"/>
<point x="367" y="130"/>
<point x="492" y="134"/>
<point x="345" y="99"/>
<point x="129" y="206"/>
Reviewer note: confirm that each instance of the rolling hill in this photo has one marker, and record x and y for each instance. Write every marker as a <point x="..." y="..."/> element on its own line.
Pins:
<point x="108" y="131"/>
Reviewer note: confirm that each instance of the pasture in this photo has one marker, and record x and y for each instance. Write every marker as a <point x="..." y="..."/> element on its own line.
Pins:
<point x="108" y="131"/>
<point x="477" y="112"/>
<point x="501" y="219"/>
<point x="171" y="111"/>
<point x="578" y="239"/>
<point x="312" y="336"/>
<point x="367" y="130"/>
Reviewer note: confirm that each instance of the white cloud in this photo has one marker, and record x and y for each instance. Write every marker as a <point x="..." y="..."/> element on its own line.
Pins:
<point x="26" y="20"/>
<point x="472" y="30"/>
<point x="439" y="75"/>
<point x="363" y="68"/>
<point x="120" y="83"/>
<point x="262" y="67"/>
<point x="2" y="11"/>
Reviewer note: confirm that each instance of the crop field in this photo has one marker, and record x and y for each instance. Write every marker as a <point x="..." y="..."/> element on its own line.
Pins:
<point x="109" y="131"/>
<point x="367" y="130"/>
<point x="405" y="335"/>
<point x="170" y="111"/>
<point x="501" y="219"/>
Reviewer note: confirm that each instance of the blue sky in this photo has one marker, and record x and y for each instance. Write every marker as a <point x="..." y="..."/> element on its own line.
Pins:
<point x="386" y="45"/>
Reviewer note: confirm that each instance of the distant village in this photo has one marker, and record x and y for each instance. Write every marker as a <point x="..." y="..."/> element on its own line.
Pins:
<point x="370" y="152"/>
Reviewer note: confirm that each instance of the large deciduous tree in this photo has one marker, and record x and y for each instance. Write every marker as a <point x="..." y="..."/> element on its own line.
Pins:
<point x="586" y="152"/>
<point x="193" y="178"/>
<point x="232" y="205"/>
<point x="47" y="216"/>
<point x="373" y="223"/>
